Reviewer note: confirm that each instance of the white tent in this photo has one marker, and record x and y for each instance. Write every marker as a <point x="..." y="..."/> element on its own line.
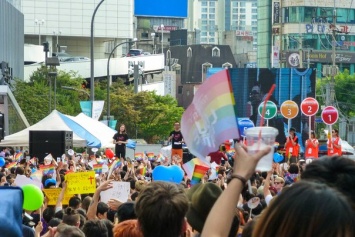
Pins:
<point x="96" y="128"/>
<point x="54" y="121"/>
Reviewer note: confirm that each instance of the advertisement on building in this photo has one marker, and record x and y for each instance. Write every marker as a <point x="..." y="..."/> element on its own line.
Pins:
<point x="158" y="8"/>
<point x="293" y="57"/>
<point x="276" y="12"/>
<point x="250" y="86"/>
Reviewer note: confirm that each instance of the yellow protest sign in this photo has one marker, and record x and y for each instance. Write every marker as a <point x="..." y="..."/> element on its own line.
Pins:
<point x="52" y="195"/>
<point x="80" y="182"/>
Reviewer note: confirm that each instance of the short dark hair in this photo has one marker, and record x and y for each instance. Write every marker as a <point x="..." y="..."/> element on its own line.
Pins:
<point x="71" y="217"/>
<point x="95" y="228"/>
<point x="336" y="171"/>
<point x="74" y="202"/>
<point x="101" y="208"/>
<point x="164" y="203"/>
<point x="65" y="230"/>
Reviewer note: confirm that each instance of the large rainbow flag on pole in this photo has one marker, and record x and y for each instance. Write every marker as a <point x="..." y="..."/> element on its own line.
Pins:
<point x="210" y="119"/>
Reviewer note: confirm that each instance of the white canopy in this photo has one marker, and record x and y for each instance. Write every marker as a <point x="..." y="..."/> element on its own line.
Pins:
<point x="53" y="121"/>
<point x="96" y="128"/>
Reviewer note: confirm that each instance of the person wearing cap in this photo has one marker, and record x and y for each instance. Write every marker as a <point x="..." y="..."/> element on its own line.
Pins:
<point x="50" y="183"/>
<point x="292" y="146"/>
<point x="201" y="200"/>
<point x="312" y="147"/>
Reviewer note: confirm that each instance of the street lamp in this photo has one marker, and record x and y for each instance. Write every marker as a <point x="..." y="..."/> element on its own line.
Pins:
<point x="75" y="89"/>
<point x="108" y="76"/>
<point x="39" y="23"/>
<point x="92" y="79"/>
<point x="162" y="38"/>
<point x="57" y="34"/>
<point x="153" y="37"/>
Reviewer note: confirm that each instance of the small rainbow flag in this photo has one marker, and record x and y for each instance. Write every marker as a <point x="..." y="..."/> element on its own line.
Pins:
<point x="143" y="171"/>
<point x="230" y="152"/>
<point x="198" y="174"/>
<point x="139" y="156"/>
<point x="150" y="156"/>
<point x="19" y="156"/>
<point x="47" y="169"/>
<point x="190" y="166"/>
<point x="98" y="168"/>
<point x="37" y="175"/>
<point x="116" y="164"/>
<point x="12" y="164"/>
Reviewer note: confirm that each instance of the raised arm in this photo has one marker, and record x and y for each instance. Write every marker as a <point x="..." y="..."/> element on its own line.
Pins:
<point x="91" y="214"/>
<point x="220" y="218"/>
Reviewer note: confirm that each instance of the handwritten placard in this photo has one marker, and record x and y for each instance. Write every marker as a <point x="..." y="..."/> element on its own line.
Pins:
<point x="53" y="193"/>
<point x="120" y="191"/>
<point x="80" y="182"/>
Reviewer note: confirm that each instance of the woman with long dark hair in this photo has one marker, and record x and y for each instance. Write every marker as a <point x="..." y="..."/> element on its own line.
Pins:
<point x="120" y="141"/>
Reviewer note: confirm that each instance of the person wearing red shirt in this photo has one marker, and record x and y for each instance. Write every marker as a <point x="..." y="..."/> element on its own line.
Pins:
<point x="292" y="147"/>
<point x="334" y="144"/>
<point x="217" y="157"/>
<point x="312" y="146"/>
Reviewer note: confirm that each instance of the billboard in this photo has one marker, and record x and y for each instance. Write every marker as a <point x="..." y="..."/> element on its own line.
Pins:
<point x="161" y="8"/>
<point x="250" y="85"/>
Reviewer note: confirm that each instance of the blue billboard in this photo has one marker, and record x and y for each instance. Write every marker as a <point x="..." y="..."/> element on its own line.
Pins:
<point x="161" y="8"/>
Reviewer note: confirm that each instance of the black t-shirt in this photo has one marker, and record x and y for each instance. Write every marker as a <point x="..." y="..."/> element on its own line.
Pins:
<point x="120" y="137"/>
<point x="176" y="140"/>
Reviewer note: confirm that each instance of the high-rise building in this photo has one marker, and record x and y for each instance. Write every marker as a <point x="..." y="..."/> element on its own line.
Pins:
<point x="303" y="34"/>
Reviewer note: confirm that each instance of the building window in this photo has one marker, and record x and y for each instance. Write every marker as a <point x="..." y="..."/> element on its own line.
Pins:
<point x="242" y="10"/>
<point x="205" y="68"/>
<point x="168" y="53"/>
<point x="227" y="65"/>
<point x="242" y="4"/>
<point x="212" y="4"/>
<point x="189" y="52"/>
<point x="211" y="16"/>
<point x="204" y="4"/>
<point x="204" y="16"/>
<point x="254" y="4"/>
<point x="254" y="10"/>
<point x="242" y="16"/>
<point x="180" y="89"/>
<point x="216" y="52"/>
<point x="177" y="69"/>
<point x="255" y="17"/>
<point x="235" y="10"/>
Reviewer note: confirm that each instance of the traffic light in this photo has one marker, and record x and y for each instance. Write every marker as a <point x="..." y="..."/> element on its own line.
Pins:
<point x="2" y="126"/>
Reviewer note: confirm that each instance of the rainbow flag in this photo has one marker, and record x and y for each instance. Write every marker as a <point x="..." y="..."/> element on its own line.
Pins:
<point x="47" y="169"/>
<point x="98" y="168"/>
<point x="189" y="166"/>
<point x="160" y="158"/>
<point x="12" y="164"/>
<point x="198" y="174"/>
<point x="150" y="156"/>
<point x="139" y="156"/>
<point x="231" y="152"/>
<point x="116" y="164"/>
<point x="143" y="171"/>
<point x="37" y="175"/>
<point x="19" y="156"/>
<point x="210" y="119"/>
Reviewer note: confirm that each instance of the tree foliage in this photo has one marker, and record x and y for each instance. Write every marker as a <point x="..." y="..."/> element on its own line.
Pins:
<point x="145" y="114"/>
<point x="344" y="87"/>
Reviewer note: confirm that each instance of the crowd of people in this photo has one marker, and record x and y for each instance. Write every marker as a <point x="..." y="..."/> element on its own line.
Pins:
<point x="296" y="198"/>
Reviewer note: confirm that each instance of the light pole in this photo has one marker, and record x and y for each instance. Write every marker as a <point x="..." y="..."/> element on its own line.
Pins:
<point x="153" y="37"/>
<point x="108" y="76"/>
<point x="162" y="38"/>
<point x="92" y="79"/>
<point x="75" y="89"/>
<point x="57" y="34"/>
<point x="39" y="23"/>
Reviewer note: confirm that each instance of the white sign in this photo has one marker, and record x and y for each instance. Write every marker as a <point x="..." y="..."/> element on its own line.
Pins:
<point x="22" y="180"/>
<point x="169" y="79"/>
<point x="97" y="108"/>
<point x="120" y="191"/>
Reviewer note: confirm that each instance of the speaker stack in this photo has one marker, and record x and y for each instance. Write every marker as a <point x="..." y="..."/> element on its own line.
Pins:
<point x="56" y="143"/>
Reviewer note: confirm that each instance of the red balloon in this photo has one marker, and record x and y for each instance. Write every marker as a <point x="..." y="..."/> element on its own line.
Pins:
<point x="109" y="153"/>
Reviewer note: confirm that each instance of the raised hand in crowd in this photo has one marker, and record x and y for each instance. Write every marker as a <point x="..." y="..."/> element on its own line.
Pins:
<point x="91" y="214"/>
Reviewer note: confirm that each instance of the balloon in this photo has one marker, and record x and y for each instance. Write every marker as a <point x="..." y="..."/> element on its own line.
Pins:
<point x="2" y="161"/>
<point x="32" y="197"/>
<point x="109" y="153"/>
<point x="168" y="173"/>
<point x="278" y="157"/>
<point x="131" y="144"/>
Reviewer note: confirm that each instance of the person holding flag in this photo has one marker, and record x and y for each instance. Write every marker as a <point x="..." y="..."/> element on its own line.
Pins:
<point x="334" y="144"/>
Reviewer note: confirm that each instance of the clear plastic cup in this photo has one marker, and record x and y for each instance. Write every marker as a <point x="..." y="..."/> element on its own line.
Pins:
<point x="257" y="138"/>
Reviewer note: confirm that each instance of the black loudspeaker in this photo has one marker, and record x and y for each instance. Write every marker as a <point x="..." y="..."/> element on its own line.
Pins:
<point x="186" y="155"/>
<point x="55" y="142"/>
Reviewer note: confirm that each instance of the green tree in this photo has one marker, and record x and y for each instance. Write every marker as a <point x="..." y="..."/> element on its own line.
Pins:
<point x="145" y="114"/>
